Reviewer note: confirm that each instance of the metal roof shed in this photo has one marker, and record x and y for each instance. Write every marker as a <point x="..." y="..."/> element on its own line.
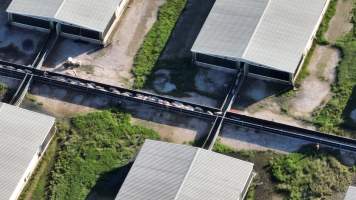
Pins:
<point x="164" y="171"/>
<point x="24" y="136"/>
<point x="269" y="34"/>
<point x="92" y="16"/>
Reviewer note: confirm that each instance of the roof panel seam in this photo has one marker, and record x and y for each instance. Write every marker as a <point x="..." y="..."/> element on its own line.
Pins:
<point x="256" y="28"/>
<point x="186" y="175"/>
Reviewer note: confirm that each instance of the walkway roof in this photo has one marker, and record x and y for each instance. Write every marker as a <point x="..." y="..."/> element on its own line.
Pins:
<point x="21" y="135"/>
<point x="273" y="33"/>
<point x="90" y="14"/>
<point x="171" y="171"/>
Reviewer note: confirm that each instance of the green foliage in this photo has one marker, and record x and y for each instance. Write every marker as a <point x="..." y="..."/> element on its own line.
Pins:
<point x="304" y="72"/>
<point x="96" y="144"/>
<point x="305" y="175"/>
<point x="330" y="117"/>
<point x="156" y="39"/>
<point x="310" y="176"/>
<point x="320" y="36"/>
<point x="3" y="89"/>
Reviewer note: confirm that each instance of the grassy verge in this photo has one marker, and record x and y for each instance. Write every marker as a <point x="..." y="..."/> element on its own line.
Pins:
<point x="90" y="158"/>
<point x="330" y="118"/>
<point x="3" y="90"/>
<point x="324" y="26"/>
<point x="303" y="175"/>
<point x="156" y="39"/>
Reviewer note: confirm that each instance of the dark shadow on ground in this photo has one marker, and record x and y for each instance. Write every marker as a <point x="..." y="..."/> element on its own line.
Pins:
<point x="255" y="90"/>
<point x="254" y="139"/>
<point x="84" y="100"/>
<point x="65" y="48"/>
<point x="18" y="45"/>
<point x="109" y="184"/>
<point x="175" y="75"/>
<point x="349" y="113"/>
<point x="10" y="86"/>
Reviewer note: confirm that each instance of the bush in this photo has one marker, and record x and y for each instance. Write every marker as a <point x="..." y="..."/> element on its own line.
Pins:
<point x="155" y="40"/>
<point x="310" y="176"/>
<point x="96" y="144"/>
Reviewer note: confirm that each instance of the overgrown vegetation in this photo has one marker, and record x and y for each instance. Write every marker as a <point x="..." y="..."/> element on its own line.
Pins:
<point x="156" y="39"/>
<point x="3" y="90"/>
<point x="330" y="118"/>
<point x="93" y="156"/>
<point x="324" y="26"/>
<point x="309" y="174"/>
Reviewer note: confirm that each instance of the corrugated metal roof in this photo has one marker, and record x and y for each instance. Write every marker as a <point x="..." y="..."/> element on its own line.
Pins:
<point x="40" y="8"/>
<point x="229" y="27"/>
<point x="351" y="193"/>
<point x="164" y="171"/>
<point x="21" y="134"/>
<point x="279" y="38"/>
<point x="89" y="14"/>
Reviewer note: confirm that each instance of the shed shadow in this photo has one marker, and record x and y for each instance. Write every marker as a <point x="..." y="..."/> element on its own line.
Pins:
<point x="255" y="90"/>
<point x="109" y="184"/>
<point x="349" y="113"/>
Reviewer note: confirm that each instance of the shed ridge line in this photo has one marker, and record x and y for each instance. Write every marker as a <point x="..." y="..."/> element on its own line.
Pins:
<point x="256" y="28"/>
<point x="188" y="172"/>
<point x="59" y="9"/>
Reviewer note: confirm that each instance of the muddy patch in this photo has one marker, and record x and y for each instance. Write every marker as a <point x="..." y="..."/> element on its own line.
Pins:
<point x="162" y="82"/>
<point x="315" y="89"/>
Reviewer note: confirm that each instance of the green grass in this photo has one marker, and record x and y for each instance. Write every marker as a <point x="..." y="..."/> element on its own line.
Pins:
<point x="97" y="145"/>
<point x="304" y="72"/>
<point x="308" y="174"/>
<point x="330" y="117"/>
<point x="324" y="26"/>
<point x="90" y="155"/>
<point x="155" y="40"/>
<point x="3" y="89"/>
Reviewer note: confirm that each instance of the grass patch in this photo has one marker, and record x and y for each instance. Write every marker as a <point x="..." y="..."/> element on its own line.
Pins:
<point x="92" y="153"/>
<point x="155" y="40"/>
<point x="3" y="90"/>
<point x="308" y="174"/>
<point x="330" y="117"/>
<point x="324" y="26"/>
<point x="90" y="157"/>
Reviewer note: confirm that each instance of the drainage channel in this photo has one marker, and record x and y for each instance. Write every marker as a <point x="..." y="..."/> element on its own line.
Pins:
<point x="219" y="117"/>
<point x="118" y="92"/>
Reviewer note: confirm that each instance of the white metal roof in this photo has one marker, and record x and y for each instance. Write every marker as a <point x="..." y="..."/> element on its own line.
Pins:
<point x="164" y="171"/>
<point x="89" y="14"/>
<point x="21" y="134"/>
<point x="273" y="33"/>
<point x="351" y="193"/>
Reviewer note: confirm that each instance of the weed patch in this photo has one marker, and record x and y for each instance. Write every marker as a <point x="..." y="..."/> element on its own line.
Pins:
<point x="155" y="40"/>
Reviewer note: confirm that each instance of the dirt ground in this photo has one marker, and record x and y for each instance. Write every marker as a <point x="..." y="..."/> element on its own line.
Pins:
<point x="18" y="45"/>
<point x="297" y="108"/>
<point x="63" y="103"/>
<point x="112" y="64"/>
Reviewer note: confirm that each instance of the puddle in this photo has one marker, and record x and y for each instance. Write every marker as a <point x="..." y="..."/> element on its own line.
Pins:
<point x="28" y="45"/>
<point x="162" y="82"/>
